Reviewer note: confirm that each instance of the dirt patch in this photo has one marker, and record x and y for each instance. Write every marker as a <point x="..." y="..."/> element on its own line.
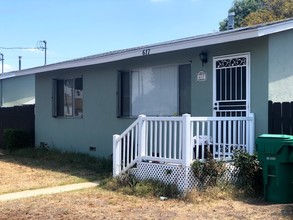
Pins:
<point x="101" y="204"/>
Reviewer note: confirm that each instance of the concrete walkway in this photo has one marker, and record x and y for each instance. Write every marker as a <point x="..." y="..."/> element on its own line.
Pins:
<point x="46" y="191"/>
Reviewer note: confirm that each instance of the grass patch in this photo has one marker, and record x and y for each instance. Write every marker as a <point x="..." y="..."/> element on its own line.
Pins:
<point x="32" y="168"/>
<point x="55" y="158"/>
<point x="208" y="195"/>
<point x="127" y="184"/>
<point x="96" y="203"/>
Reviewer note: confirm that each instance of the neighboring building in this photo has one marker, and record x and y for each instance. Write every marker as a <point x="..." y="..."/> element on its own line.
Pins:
<point x="17" y="89"/>
<point x="17" y="99"/>
<point x="81" y="103"/>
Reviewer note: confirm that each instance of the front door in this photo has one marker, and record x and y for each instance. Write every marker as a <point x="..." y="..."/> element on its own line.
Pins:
<point x="231" y="85"/>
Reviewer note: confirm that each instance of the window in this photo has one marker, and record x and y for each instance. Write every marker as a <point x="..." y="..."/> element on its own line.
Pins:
<point x="68" y="97"/>
<point x="156" y="91"/>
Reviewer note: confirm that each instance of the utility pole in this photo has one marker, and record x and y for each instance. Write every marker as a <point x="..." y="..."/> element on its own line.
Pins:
<point x="2" y="61"/>
<point x="45" y="48"/>
<point x="42" y="45"/>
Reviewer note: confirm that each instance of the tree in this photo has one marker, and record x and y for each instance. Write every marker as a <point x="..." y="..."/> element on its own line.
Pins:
<point x="241" y="8"/>
<point x="272" y="10"/>
<point x="252" y="12"/>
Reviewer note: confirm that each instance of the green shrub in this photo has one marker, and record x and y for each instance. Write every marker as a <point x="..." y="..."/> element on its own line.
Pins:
<point x="128" y="184"/>
<point x="208" y="172"/>
<point x="250" y="173"/>
<point x="16" y="139"/>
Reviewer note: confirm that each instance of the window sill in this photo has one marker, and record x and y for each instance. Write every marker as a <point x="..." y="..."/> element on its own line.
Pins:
<point x="64" y="117"/>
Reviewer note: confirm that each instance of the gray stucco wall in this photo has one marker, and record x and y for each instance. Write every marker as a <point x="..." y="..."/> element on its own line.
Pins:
<point x="202" y="93"/>
<point x="17" y="90"/>
<point x="281" y="67"/>
<point x="99" y="120"/>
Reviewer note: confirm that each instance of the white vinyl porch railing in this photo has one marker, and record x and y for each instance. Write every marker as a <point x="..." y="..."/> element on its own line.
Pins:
<point x="180" y="140"/>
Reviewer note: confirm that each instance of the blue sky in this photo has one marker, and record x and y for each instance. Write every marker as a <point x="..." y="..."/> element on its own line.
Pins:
<point x="77" y="28"/>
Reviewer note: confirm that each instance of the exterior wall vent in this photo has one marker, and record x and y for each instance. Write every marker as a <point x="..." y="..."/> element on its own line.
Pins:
<point x="92" y="149"/>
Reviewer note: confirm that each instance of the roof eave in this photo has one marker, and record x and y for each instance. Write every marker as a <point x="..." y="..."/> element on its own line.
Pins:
<point x="276" y="28"/>
<point x="154" y="49"/>
<point x="187" y="43"/>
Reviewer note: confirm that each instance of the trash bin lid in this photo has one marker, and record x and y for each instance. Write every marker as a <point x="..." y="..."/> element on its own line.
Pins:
<point x="273" y="143"/>
<point x="276" y="136"/>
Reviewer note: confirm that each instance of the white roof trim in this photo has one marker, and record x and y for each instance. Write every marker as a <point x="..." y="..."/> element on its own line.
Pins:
<point x="30" y="102"/>
<point x="186" y="43"/>
<point x="275" y="28"/>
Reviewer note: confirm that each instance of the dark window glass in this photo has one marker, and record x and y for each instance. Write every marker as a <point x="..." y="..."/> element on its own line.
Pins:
<point x="68" y="97"/>
<point x="184" y="89"/>
<point x="123" y="94"/>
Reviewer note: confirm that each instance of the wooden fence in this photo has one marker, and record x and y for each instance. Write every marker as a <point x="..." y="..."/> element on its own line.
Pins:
<point x="280" y="118"/>
<point x="18" y="117"/>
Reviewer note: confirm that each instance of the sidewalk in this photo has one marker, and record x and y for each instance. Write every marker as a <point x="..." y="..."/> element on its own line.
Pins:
<point x="46" y="191"/>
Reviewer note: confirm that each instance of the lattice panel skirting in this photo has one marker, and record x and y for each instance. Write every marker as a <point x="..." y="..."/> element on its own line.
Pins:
<point x="182" y="177"/>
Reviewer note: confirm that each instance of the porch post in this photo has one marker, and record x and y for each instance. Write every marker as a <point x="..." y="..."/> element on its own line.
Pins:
<point x="186" y="140"/>
<point x="116" y="156"/>
<point x="251" y="134"/>
<point x="141" y="137"/>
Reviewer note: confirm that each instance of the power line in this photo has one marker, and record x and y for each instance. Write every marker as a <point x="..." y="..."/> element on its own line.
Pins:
<point x="41" y="45"/>
<point x="18" y="48"/>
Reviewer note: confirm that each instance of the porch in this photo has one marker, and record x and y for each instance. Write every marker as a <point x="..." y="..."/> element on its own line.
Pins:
<point x="177" y="141"/>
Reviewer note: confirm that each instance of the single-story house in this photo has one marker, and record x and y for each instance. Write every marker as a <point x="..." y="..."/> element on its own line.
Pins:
<point x="81" y="103"/>
<point x="222" y="80"/>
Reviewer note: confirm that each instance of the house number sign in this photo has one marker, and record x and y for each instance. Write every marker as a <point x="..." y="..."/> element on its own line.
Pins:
<point x="146" y="52"/>
<point x="201" y="76"/>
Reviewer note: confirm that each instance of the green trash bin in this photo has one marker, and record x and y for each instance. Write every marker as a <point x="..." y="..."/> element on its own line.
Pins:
<point x="275" y="153"/>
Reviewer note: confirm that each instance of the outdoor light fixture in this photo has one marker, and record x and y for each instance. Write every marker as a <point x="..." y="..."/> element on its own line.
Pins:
<point x="203" y="57"/>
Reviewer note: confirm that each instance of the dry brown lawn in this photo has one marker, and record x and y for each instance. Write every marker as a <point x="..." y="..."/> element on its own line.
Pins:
<point x="19" y="176"/>
<point x="97" y="203"/>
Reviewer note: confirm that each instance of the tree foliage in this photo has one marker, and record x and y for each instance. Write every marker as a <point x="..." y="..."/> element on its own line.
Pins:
<point x="252" y="12"/>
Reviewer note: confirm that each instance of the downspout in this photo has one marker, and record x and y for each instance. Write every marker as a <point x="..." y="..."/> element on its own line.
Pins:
<point x="1" y="91"/>
<point x="19" y="63"/>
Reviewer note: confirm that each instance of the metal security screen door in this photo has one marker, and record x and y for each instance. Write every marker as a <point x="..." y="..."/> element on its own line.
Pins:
<point x="231" y="99"/>
<point x="231" y="86"/>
